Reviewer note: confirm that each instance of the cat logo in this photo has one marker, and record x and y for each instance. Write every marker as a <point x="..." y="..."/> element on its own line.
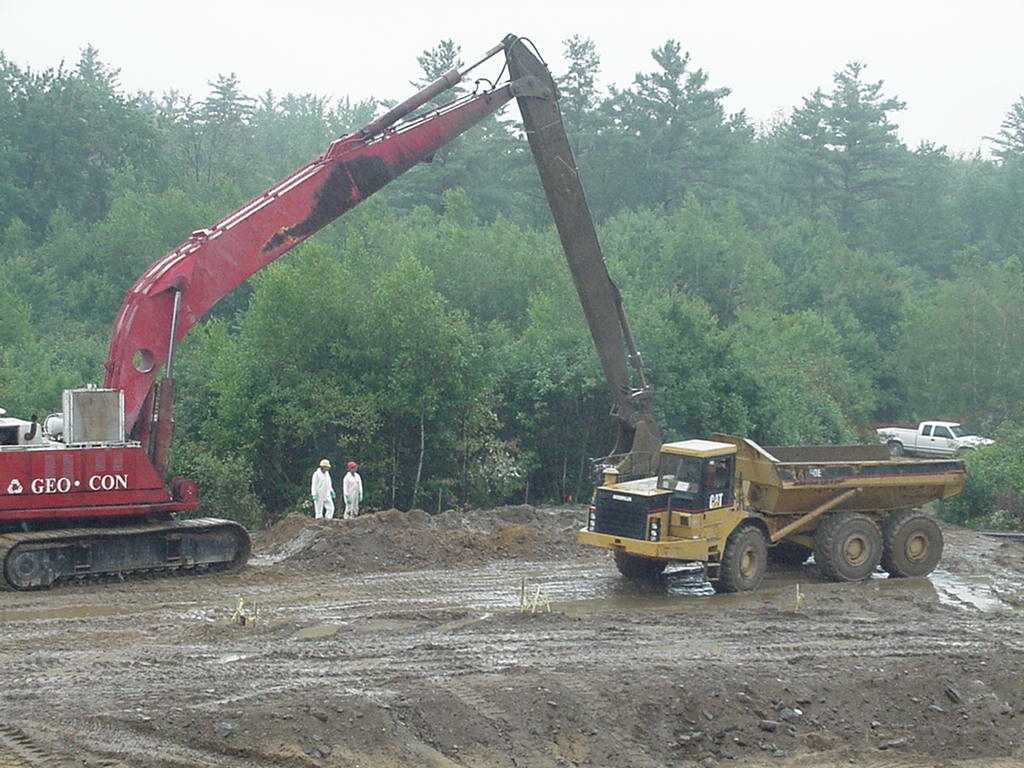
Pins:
<point x="14" y="487"/>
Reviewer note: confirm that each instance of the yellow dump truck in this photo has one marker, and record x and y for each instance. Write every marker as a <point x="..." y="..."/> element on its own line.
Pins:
<point x="735" y="506"/>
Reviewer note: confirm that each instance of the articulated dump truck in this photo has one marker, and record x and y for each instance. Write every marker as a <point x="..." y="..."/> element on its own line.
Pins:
<point x="736" y="506"/>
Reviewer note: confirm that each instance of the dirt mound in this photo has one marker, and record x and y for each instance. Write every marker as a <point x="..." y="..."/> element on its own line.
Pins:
<point x="396" y="540"/>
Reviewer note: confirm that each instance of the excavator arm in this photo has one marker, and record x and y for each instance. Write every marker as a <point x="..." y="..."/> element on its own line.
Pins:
<point x="181" y="288"/>
<point x="639" y="437"/>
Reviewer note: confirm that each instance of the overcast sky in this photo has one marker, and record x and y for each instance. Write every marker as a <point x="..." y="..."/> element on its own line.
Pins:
<point x="958" y="65"/>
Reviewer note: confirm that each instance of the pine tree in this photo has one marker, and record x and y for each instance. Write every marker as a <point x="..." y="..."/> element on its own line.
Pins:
<point x="843" y="146"/>
<point x="1010" y="141"/>
<point x="436" y="61"/>
<point x="667" y="136"/>
<point x="578" y="89"/>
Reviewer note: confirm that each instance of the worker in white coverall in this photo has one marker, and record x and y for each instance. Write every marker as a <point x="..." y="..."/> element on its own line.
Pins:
<point x="352" y="490"/>
<point x="322" y="491"/>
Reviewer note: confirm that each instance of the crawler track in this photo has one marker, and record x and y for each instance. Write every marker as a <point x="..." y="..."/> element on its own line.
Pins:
<point x="40" y="559"/>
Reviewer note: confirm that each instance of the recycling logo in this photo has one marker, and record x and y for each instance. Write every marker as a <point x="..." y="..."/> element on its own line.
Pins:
<point x="14" y="487"/>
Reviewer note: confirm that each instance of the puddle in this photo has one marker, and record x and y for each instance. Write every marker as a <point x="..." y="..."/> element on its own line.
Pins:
<point x="672" y="593"/>
<point x="587" y="588"/>
<point x="960" y="593"/>
<point x="230" y="658"/>
<point x="72" y="612"/>
<point x="452" y="626"/>
<point x="318" y="632"/>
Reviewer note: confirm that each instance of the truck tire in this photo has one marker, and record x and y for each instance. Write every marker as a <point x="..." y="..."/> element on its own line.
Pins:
<point x="847" y="546"/>
<point x="639" y="568"/>
<point x="789" y="553"/>
<point x="912" y="544"/>
<point x="895" y="448"/>
<point x="744" y="562"/>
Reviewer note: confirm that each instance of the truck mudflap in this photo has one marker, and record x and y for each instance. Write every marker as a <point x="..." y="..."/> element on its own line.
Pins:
<point x="40" y="559"/>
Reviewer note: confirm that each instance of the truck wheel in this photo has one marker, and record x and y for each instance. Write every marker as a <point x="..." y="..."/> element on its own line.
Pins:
<point x="638" y="568"/>
<point x="744" y="561"/>
<point x="789" y="553"/>
<point x="913" y="544"/>
<point x="895" y="449"/>
<point x="847" y="546"/>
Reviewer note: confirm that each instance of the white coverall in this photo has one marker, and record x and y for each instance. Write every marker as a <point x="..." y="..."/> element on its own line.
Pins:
<point x="322" y="491"/>
<point x="352" y="490"/>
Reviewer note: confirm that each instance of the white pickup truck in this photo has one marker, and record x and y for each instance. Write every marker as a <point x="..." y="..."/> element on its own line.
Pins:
<point x="931" y="438"/>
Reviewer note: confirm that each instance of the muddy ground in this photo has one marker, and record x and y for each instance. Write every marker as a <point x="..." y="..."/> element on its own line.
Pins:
<point x="396" y="640"/>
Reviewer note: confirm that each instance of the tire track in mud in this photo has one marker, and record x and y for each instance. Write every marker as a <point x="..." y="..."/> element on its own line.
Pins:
<point x="617" y="636"/>
<point x="18" y="751"/>
<point x="155" y="647"/>
<point x="127" y="743"/>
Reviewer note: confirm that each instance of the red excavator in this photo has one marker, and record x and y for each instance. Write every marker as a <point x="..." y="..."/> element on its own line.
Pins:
<point x="83" y="494"/>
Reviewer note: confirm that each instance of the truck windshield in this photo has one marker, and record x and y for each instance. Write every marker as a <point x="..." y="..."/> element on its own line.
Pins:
<point x="959" y="431"/>
<point x="680" y="474"/>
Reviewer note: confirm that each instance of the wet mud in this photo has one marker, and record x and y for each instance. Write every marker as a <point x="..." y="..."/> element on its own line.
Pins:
<point x="387" y="661"/>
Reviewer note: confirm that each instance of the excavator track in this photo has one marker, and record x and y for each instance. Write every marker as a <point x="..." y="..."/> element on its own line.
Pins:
<point x="41" y="559"/>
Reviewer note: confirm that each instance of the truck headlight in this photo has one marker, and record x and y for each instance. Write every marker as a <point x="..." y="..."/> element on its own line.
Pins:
<point x="654" y="530"/>
<point x="592" y="520"/>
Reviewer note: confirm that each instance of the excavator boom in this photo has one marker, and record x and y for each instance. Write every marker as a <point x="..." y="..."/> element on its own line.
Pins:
<point x="180" y="289"/>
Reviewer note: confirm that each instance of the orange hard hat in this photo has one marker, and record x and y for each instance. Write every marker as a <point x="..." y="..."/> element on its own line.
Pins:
<point x="352" y="465"/>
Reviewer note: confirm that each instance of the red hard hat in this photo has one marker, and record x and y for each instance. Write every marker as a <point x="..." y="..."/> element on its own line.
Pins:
<point x="352" y="465"/>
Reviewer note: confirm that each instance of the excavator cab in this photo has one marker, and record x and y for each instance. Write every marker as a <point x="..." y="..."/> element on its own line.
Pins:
<point x="16" y="433"/>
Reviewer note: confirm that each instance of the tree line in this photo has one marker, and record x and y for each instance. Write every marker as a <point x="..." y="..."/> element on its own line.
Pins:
<point x="795" y="281"/>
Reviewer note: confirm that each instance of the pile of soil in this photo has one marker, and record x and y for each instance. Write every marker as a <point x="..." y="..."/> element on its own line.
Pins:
<point x="396" y="540"/>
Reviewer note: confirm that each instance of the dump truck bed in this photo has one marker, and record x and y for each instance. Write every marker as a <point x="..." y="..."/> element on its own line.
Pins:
<point x="789" y="480"/>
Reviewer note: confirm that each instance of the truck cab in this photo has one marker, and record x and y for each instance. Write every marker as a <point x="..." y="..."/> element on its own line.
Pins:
<point x="699" y="473"/>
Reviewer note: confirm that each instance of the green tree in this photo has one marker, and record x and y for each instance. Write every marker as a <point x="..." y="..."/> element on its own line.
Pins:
<point x="961" y="351"/>
<point x="422" y="360"/>
<point x="993" y="495"/>
<point x="693" y="251"/>
<point x="14" y="323"/>
<point x="437" y="61"/>
<point x="798" y="384"/>
<point x="63" y="137"/>
<point x="690" y="361"/>
<point x="226" y="115"/>
<point x="556" y="401"/>
<point x="922" y="221"/>
<point x="668" y="136"/>
<point x="843" y="148"/>
<point x="1010" y="139"/>
<point x="579" y="101"/>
